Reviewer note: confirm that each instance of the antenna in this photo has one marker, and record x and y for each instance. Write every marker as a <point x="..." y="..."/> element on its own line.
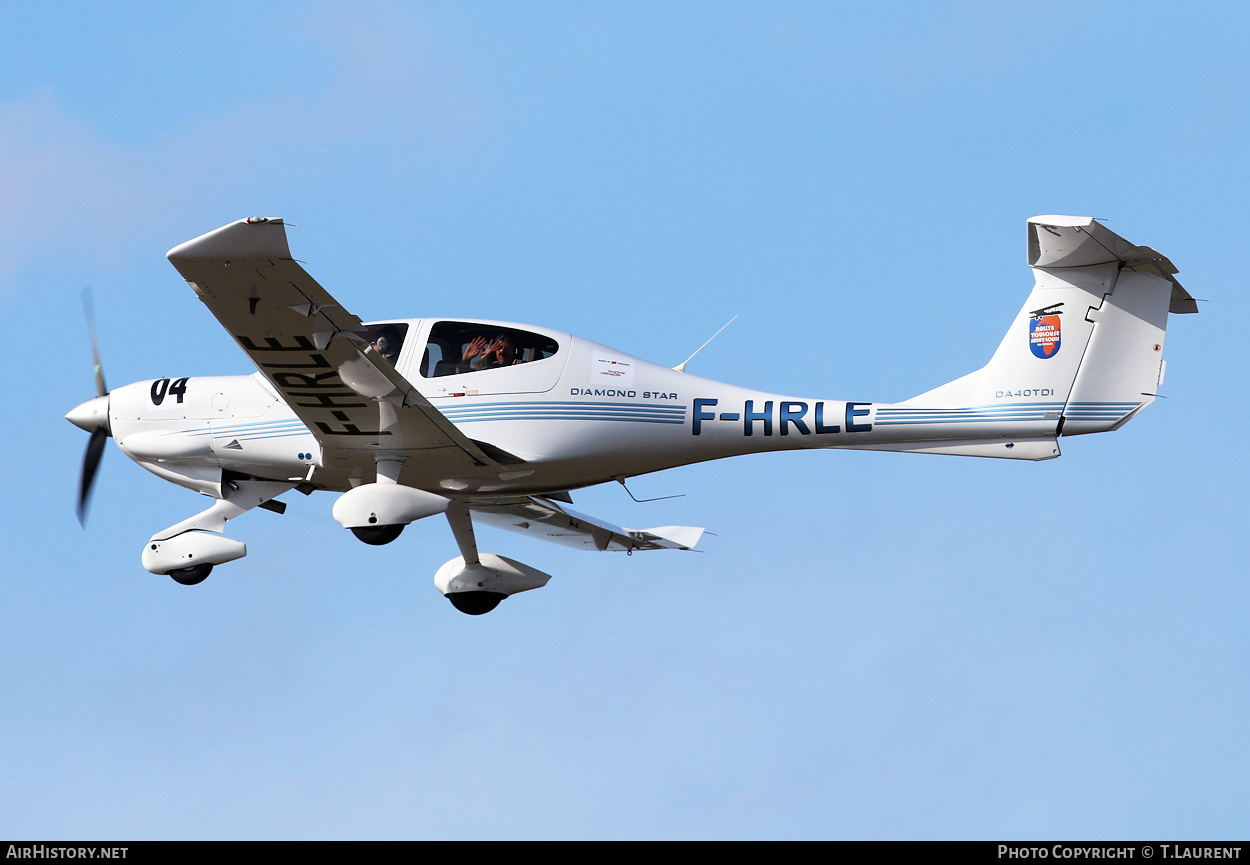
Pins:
<point x="620" y="479"/>
<point x="681" y="367"/>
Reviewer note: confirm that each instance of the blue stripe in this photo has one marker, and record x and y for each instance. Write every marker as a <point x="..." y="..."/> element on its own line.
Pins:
<point x="269" y="423"/>
<point x="961" y="420"/>
<point x="1005" y="413"/>
<point x="989" y="405"/>
<point x="296" y="428"/>
<point x="573" y="410"/>
<point x="503" y="414"/>
<point x="990" y="409"/>
<point x="938" y="419"/>
<point x="475" y="410"/>
<point x="261" y="424"/>
<point x="616" y="417"/>
<point x="269" y="436"/>
<point x="574" y="403"/>
<point x="935" y="413"/>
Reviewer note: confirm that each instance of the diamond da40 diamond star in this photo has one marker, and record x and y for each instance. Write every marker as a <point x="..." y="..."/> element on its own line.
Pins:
<point x="493" y="422"/>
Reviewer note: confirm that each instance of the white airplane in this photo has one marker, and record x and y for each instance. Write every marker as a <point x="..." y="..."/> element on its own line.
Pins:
<point x="494" y="422"/>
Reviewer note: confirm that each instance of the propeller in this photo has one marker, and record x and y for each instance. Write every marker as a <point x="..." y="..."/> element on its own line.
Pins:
<point x="88" y="308"/>
<point x="90" y="464"/>
<point x="92" y="416"/>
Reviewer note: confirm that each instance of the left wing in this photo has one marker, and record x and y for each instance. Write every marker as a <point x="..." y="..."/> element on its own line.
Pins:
<point x="312" y="350"/>
<point x="546" y="520"/>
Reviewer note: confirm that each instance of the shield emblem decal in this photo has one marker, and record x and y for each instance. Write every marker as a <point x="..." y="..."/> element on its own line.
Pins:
<point x="1044" y="336"/>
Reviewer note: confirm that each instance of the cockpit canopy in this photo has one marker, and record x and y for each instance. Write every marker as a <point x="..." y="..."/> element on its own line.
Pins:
<point x="458" y="347"/>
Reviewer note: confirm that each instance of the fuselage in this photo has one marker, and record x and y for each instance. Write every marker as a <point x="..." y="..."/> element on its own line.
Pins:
<point x="585" y="414"/>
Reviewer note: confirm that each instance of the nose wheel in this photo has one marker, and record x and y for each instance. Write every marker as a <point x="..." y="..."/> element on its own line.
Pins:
<point x="193" y="575"/>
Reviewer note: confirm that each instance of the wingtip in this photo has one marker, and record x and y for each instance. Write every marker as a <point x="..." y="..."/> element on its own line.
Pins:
<point x="1059" y="221"/>
<point x="685" y="537"/>
<point x="254" y="237"/>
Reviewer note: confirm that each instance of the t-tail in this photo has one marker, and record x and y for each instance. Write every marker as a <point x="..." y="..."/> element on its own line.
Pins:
<point x="1084" y="354"/>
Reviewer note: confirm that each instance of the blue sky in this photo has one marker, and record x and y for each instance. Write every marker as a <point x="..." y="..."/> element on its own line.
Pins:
<point x="871" y="646"/>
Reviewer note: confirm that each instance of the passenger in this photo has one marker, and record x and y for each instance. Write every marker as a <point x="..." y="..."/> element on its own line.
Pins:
<point x="501" y="351"/>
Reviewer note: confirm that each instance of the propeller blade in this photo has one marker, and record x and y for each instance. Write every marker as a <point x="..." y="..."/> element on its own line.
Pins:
<point x="90" y="465"/>
<point x="88" y="306"/>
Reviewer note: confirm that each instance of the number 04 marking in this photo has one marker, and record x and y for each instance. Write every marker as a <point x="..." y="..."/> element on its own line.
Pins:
<point x="162" y="387"/>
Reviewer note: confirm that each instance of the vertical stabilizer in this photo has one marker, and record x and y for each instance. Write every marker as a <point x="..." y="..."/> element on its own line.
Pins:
<point x="1086" y="350"/>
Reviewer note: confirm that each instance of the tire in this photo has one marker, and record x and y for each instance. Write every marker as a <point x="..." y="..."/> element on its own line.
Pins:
<point x="193" y="575"/>
<point x="378" y="535"/>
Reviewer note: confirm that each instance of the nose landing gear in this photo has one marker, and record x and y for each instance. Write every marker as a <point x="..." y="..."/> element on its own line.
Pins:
<point x="187" y="551"/>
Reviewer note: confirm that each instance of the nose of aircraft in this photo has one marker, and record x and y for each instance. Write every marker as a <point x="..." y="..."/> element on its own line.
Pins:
<point x="91" y="415"/>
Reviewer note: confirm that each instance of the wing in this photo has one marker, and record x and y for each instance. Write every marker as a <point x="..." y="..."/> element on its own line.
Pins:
<point x="549" y="521"/>
<point x="313" y="352"/>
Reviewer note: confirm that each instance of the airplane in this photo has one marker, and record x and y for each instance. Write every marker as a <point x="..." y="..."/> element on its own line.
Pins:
<point x="495" y="423"/>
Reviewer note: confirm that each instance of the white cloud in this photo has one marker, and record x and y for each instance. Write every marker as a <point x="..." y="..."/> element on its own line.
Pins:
<point x="67" y="190"/>
<point x="61" y="185"/>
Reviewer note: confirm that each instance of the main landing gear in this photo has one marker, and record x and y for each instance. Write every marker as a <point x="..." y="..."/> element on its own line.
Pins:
<point x="193" y="575"/>
<point x="378" y="535"/>
<point x="475" y="603"/>
<point x="474" y="582"/>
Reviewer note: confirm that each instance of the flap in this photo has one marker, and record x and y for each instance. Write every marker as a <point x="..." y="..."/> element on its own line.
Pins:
<point x="546" y="520"/>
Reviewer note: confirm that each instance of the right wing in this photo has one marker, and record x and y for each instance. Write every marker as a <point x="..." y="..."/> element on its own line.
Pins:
<point x="312" y="351"/>
<point x="546" y="520"/>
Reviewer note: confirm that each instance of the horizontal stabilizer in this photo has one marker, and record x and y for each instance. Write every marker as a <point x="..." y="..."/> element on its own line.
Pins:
<point x="1081" y="241"/>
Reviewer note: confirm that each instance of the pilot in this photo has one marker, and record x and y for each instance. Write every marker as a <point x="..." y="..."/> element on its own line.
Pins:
<point x="387" y="343"/>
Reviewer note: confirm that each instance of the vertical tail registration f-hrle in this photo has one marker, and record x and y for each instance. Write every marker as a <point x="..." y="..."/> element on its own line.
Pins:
<point x="492" y="422"/>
